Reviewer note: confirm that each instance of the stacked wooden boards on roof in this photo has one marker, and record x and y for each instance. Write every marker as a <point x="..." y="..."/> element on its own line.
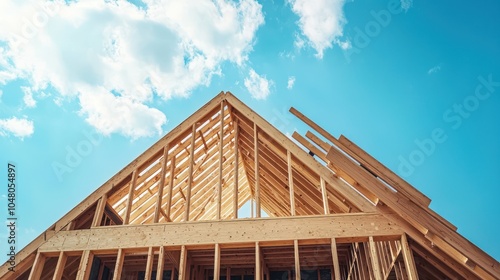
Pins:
<point x="330" y="211"/>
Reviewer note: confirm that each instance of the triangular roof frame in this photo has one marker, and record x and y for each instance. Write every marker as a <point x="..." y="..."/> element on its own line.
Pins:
<point x="331" y="177"/>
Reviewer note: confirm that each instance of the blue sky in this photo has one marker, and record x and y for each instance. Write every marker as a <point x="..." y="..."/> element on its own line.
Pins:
<point x="86" y="86"/>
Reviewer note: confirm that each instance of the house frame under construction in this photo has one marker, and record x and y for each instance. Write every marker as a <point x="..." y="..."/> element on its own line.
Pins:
<point x="323" y="210"/>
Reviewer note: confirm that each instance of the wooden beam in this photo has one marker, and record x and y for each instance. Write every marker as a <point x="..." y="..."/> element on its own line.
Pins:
<point x="217" y="262"/>
<point x="61" y="263"/>
<point x="325" y="196"/>
<point x="290" y="183"/>
<point x="335" y="259"/>
<point x="221" y="146"/>
<point x="297" y="258"/>
<point x="161" y="263"/>
<point x="149" y="263"/>
<point x="182" y="263"/>
<point x="37" y="268"/>
<point x="83" y="272"/>
<point x="374" y="259"/>
<point x="190" y="174"/>
<point x="258" y="262"/>
<point x="352" y="226"/>
<point x="256" y="169"/>
<point x="236" y="171"/>
<point x="170" y="188"/>
<point x="117" y="274"/>
<point x="99" y="211"/>
<point x="130" y="197"/>
<point x="411" y="270"/>
<point x="161" y="185"/>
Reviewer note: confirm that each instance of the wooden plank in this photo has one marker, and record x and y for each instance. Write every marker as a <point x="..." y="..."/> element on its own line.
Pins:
<point x="236" y="171"/>
<point x="377" y="168"/>
<point x="297" y="258"/>
<point x="335" y="259"/>
<point x="382" y="171"/>
<point x="355" y="226"/>
<point x="182" y="263"/>
<point x="161" y="185"/>
<point x="149" y="264"/>
<point x="117" y="274"/>
<point x="374" y="259"/>
<point x="221" y="146"/>
<point x="414" y="214"/>
<point x="161" y="263"/>
<point x="290" y="183"/>
<point x="130" y="197"/>
<point x="256" y="169"/>
<point x="61" y="262"/>
<point x="325" y="197"/>
<point x="411" y="270"/>
<point x="37" y="268"/>
<point x="170" y="188"/>
<point x="85" y="265"/>
<point x="258" y="262"/>
<point x="190" y="174"/>
<point x="99" y="211"/>
<point x="217" y="261"/>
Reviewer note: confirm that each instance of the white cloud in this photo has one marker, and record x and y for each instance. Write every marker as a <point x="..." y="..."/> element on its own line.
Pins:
<point x="406" y="4"/>
<point x="130" y="118"/>
<point x="28" y="97"/>
<point x="258" y="86"/>
<point x="434" y="69"/>
<point x="322" y="23"/>
<point x="291" y="82"/>
<point x="17" y="127"/>
<point x="115" y="51"/>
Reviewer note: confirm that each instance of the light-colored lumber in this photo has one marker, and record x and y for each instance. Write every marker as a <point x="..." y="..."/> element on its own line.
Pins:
<point x="256" y="169"/>
<point x="217" y="261"/>
<point x="411" y="270"/>
<point x="161" y="263"/>
<point x="290" y="183"/>
<point x="130" y="197"/>
<point x="236" y="171"/>
<point x="258" y="262"/>
<point x="61" y="262"/>
<point x="190" y="174"/>
<point x="335" y="259"/>
<point x="374" y="259"/>
<point x="326" y="208"/>
<point x="37" y="268"/>
<point x="99" y="211"/>
<point x="161" y="185"/>
<point x="183" y="263"/>
<point x="296" y="257"/>
<point x="355" y="226"/>
<point x="117" y="274"/>
<point x="221" y="146"/>
<point x="85" y="265"/>
<point x="149" y="263"/>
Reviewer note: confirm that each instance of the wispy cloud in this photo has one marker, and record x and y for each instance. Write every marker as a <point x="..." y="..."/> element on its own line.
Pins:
<point x="28" y="97"/>
<point x="291" y="82"/>
<point x="258" y="86"/>
<point x="115" y="51"/>
<point x="406" y="4"/>
<point x="321" y="24"/>
<point x="434" y="69"/>
<point x="16" y="127"/>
